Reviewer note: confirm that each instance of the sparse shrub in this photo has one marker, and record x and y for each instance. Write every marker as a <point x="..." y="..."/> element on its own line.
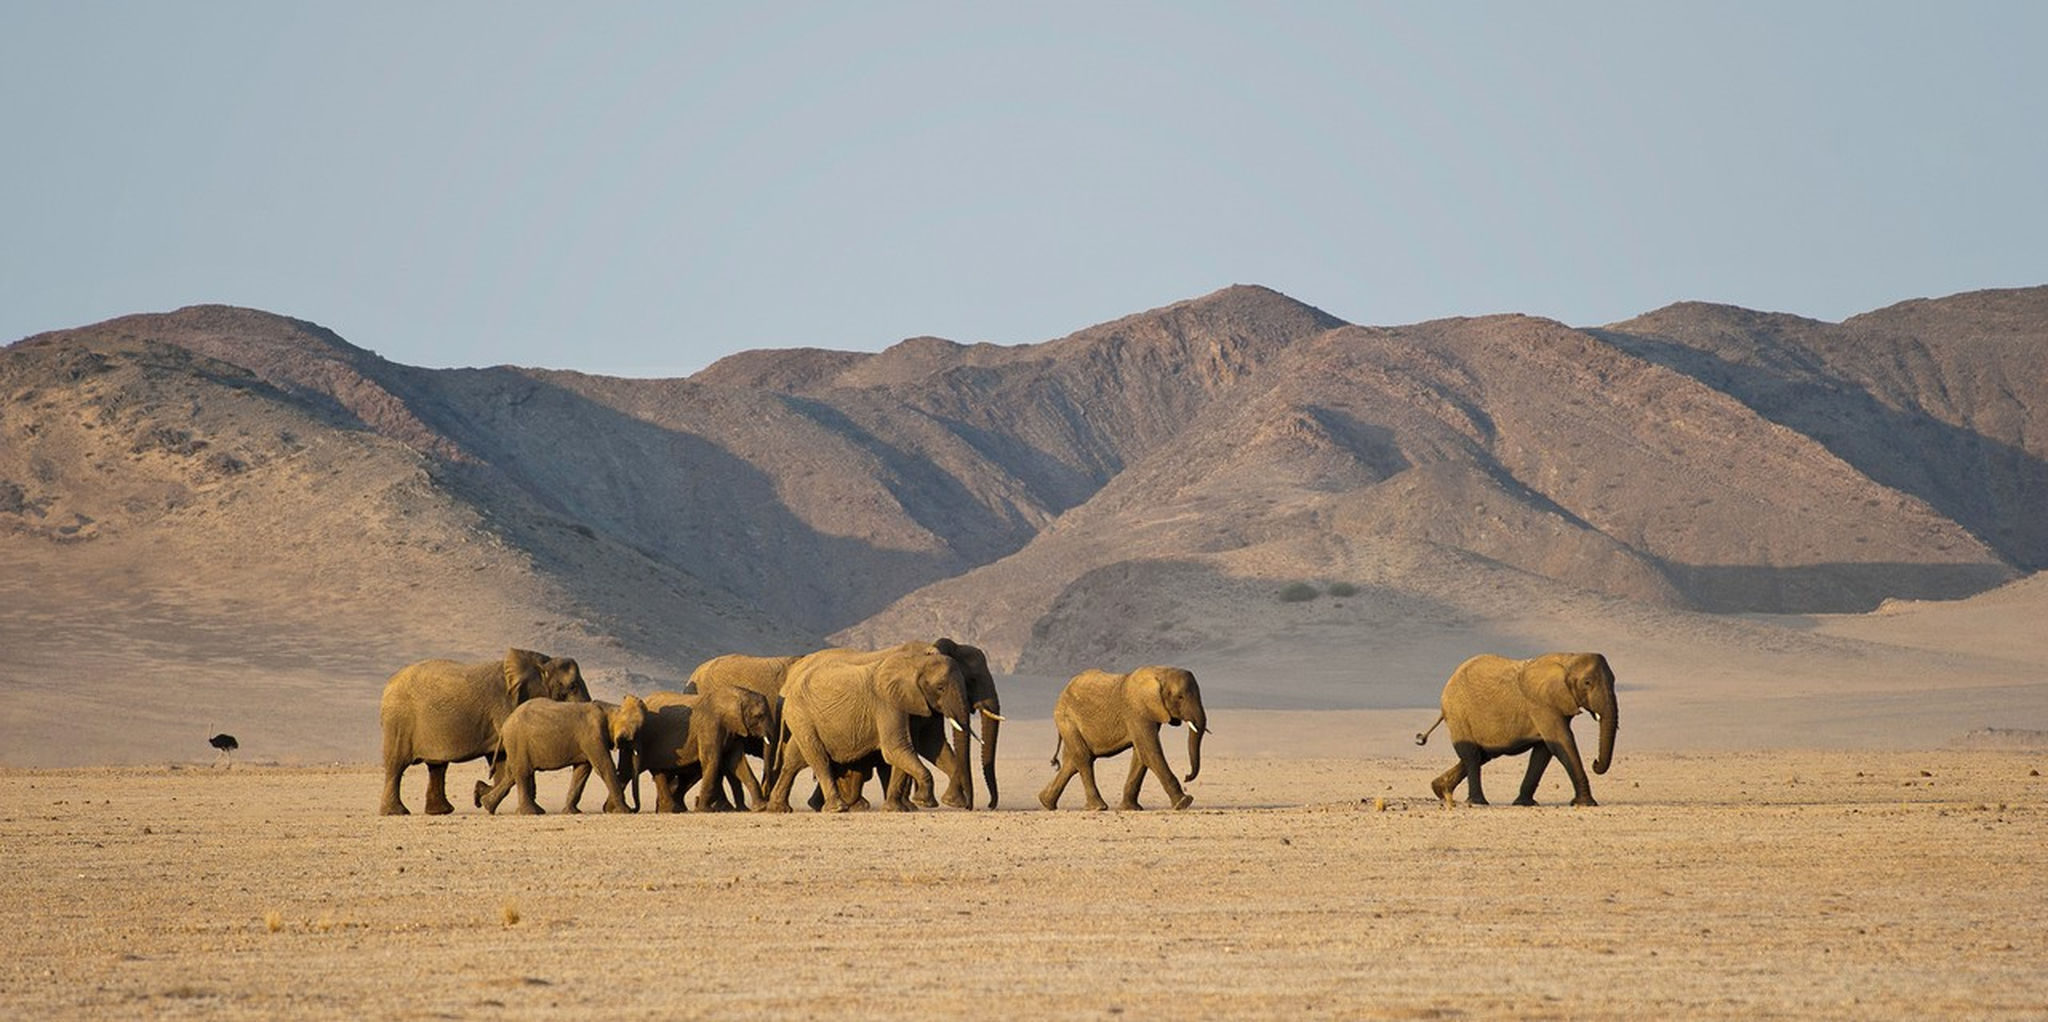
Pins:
<point x="509" y="912"/>
<point x="273" y="920"/>
<point x="1343" y="589"/>
<point x="1299" y="592"/>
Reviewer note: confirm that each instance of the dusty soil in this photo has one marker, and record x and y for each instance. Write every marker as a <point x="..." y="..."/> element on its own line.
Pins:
<point x="1839" y="883"/>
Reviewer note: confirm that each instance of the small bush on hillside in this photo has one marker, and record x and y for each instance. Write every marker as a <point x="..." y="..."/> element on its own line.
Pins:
<point x="1299" y="592"/>
<point x="1343" y="589"/>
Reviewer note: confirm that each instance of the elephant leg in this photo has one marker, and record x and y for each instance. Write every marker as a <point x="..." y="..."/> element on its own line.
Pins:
<point x="1147" y="755"/>
<point x="501" y="785"/>
<point x="527" y="805"/>
<point x="736" y="767"/>
<point x="1565" y="748"/>
<point x="1539" y="758"/>
<point x="712" y="765"/>
<point x="1088" y="787"/>
<point x="785" y="778"/>
<point x="1446" y="783"/>
<point x="1470" y="757"/>
<point x="1049" y="797"/>
<point x="573" y="802"/>
<point x="907" y="767"/>
<point x="853" y="785"/>
<point x="437" y="790"/>
<point x="953" y="761"/>
<point x="822" y="770"/>
<point x="664" y="792"/>
<point x="395" y="762"/>
<point x="1132" y="782"/>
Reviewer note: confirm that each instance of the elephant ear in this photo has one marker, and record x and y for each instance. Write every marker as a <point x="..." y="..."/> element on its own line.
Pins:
<point x="897" y="679"/>
<point x="946" y="647"/>
<point x="1146" y="689"/>
<point x="522" y="668"/>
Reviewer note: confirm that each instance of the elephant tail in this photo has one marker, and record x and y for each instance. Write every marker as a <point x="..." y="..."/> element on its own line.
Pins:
<point x="1056" y="743"/>
<point x="1423" y="738"/>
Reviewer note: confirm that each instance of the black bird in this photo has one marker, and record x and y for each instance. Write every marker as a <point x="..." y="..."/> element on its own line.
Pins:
<point x="226" y="744"/>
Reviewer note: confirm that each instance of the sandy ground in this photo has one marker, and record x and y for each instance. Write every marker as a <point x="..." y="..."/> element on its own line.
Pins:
<point x="1845" y="883"/>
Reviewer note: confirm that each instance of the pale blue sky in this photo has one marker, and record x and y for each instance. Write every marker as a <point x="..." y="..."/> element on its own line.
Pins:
<point x="640" y="189"/>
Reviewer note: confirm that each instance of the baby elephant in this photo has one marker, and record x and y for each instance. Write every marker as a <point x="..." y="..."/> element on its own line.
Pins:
<point x="546" y="735"/>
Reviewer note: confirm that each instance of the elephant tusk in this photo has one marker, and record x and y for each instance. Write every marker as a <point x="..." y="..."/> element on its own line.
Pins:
<point x="993" y="715"/>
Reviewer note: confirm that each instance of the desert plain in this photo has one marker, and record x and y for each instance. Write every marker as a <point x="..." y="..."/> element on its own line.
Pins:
<point x="1738" y="884"/>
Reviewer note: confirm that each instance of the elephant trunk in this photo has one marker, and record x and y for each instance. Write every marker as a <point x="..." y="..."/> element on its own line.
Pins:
<point x="1198" y="725"/>
<point x="1608" y="722"/>
<point x="990" y="727"/>
<point x="629" y="771"/>
<point x="771" y="744"/>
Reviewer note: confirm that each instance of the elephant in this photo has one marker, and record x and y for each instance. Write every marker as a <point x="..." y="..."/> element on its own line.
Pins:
<point x="840" y="707"/>
<point x="762" y="674"/>
<point x="1501" y="707"/>
<point x="1101" y="714"/>
<point x="548" y="735"/>
<point x="928" y="734"/>
<point x="689" y="737"/>
<point x="439" y="712"/>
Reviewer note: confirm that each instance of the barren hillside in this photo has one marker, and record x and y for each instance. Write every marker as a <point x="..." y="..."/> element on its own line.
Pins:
<point x="271" y="518"/>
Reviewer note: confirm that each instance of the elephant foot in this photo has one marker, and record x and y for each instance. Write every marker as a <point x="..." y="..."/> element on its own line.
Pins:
<point x="775" y="807"/>
<point x="859" y="803"/>
<point x="898" y="806"/>
<point x="1477" y="800"/>
<point x="956" y="801"/>
<point x="1130" y="805"/>
<point x="616" y="808"/>
<point x="1525" y="801"/>
<point x="440" y="808"/>
<point x="481" y="787"/>
<point x="1098" y="807"/>
<point x="1046" y="801"/>
<point x="1440" y="789"/>
<point x="393" y="809"/>
<point x="1184" y="801"/>
<point x="532" y="810"/>
<point x="1584" y="800"/>
<point x="573" y="810"/>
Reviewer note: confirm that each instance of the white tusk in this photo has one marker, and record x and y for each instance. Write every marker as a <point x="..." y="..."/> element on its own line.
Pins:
<point x="993" y="715"/>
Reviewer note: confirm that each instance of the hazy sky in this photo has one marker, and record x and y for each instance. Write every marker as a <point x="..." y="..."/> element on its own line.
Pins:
<point x="640" y="189"/>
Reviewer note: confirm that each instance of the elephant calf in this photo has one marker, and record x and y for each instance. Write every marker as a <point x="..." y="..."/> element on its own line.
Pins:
<point x="546" y="735"/>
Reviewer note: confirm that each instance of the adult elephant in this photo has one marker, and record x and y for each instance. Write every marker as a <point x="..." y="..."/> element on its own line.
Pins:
<point x="759" y="674"/>
<point x="439" y="712"/>
<point x="543" y="734"/>
<point x="928" y="734"/>
<point x="693" y="737"/>
<point x="840" y="707"/>
<point x="1500" y="707"/>
<point x="1101" y="714"/>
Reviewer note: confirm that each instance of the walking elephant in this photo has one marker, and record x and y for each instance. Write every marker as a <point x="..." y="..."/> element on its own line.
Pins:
<point x="1101" y="714"/>
<point x="928" y="735"/>
<point x="548" y="735"/>
<point x="840" y="706"/>
<point x="439" y="712"/>
<point x="700" y="737"/>
<point x="1500" y="707"/>
<point x="760" y="674"/>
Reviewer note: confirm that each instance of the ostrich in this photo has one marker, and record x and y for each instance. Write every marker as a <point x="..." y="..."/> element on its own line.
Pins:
<point x="227" y="745"/>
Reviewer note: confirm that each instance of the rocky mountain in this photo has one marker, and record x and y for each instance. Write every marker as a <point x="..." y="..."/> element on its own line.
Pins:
<point x="237" y="501"/>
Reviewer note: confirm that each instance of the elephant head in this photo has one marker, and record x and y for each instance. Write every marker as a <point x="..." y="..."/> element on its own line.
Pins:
<point x="1585" y="680"/>
<point x="922" y="682"/>
<point x="622" y="728"/>
<point x="1169" y="695"/>
<point x="981" y="700"/>
<point x="531" y="675"/>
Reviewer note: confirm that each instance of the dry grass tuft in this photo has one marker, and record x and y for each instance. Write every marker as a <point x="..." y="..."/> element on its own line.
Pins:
<point x="273" y="920"/>
<point x="509" y="912"/>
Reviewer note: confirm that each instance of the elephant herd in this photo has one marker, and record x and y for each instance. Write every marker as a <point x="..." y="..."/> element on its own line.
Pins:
<point x="847" y="715"/>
